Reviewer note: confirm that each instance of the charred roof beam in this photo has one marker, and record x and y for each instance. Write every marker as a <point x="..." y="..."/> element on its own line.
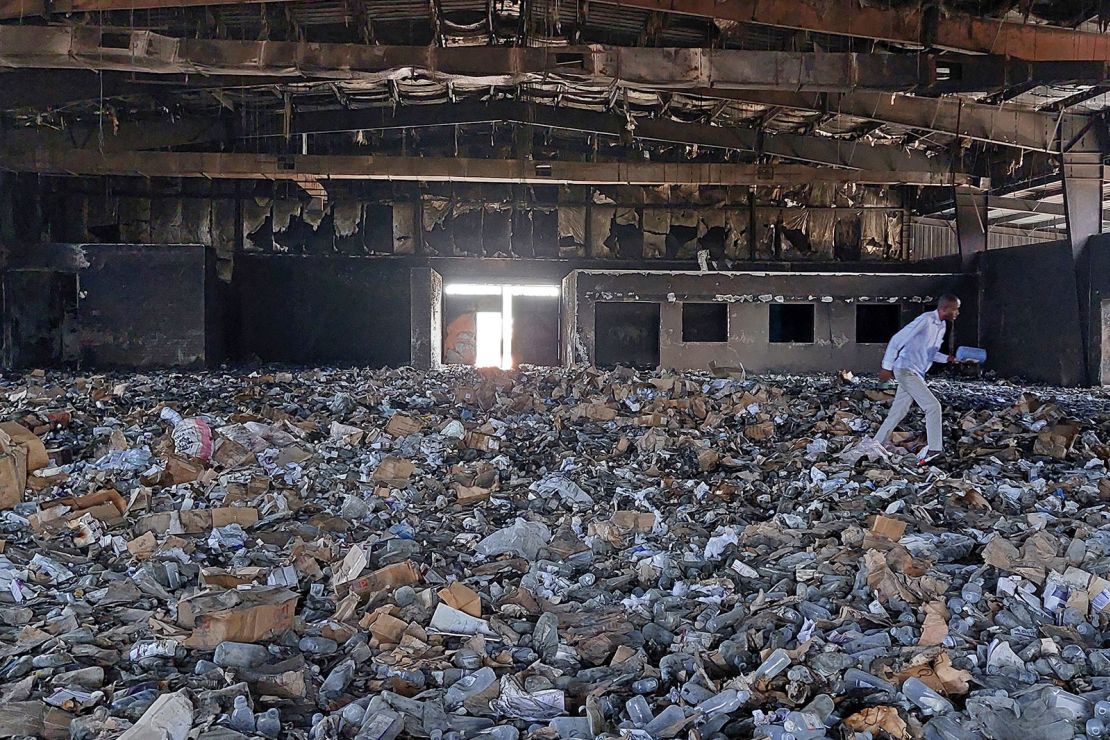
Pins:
<point x="813" y="149"/>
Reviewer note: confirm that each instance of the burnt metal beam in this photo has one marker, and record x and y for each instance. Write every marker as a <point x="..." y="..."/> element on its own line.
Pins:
<point x="128" y="136"/>
<point x="450" y="169"/>
<point x="995" y="124"/>
<point x="31" y="8"/>
<point x="43" y="89"/>
<point x="679" y="68"/>
<point x="813" y="149"/>
<point x="912" y="24"/>
<point x="125" y="50"/>
<point x="1081" y="97"/>
<point x="1026" y="206"/>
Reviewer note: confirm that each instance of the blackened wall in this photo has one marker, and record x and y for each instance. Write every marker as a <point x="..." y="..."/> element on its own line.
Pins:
<point x="36" y="312"/>
<point x="1095" y="277"/>
<point x="316" y="309"/>
<point x="1030" y="319"/>
<point x="142" y="306"/>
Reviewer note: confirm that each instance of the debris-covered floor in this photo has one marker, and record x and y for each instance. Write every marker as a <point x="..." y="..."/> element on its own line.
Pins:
<point x="561" y="554"/>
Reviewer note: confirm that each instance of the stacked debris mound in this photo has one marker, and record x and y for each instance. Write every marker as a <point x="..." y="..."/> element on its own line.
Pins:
<point x="547" y="553"/>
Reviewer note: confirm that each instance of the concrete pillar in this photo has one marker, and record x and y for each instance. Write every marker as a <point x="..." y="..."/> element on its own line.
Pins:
<point x="971" y="223"/>
<point x="1082" y="148"/>
<point x="426" y="314"/>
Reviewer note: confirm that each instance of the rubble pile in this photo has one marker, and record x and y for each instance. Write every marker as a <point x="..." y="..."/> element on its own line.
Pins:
<point x="546" y="553"/>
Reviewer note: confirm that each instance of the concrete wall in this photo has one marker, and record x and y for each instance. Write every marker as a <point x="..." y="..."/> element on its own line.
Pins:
<point x="426" y="312"/>
<point x="310" y="309"/>
<point x="1095" y="278"/>
<point x="749" y="295"/>
<point x="142" y="306"/>
<point x="1030" y="319"/>
<point x="36" y="317"/>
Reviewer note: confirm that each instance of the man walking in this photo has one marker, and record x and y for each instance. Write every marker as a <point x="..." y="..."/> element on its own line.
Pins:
<point x="909" y="355"/>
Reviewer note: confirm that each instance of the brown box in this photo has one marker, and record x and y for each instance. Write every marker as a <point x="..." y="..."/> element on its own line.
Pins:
<point x="241" y="615"/>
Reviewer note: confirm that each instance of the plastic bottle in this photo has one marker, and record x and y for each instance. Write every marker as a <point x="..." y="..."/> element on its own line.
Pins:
<point x="972" y="592"/>
<point x="920" y="694"/>
<point x="639" y="711"/>
<point x="269" y="723"/>
<point x="646" y="686"/>
<point x="776" y="663"/>
<point x="669" y="717"/>
<point x="242" y="718"/>
<point x="240" y="655"/>
<point x="803" y="725"/>
<point x="726" y="702"/>
<point x="719" y="622"/>
<point x="317" y="645"/>
<point x="1095" y="727"/>
<point x="821" y="706"/>
<point x="338" y="679"/>
<point x="857" y="679"/>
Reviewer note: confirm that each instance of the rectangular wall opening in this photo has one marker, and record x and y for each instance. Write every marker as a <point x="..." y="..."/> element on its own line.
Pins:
<point x="790" y="323"/>
<point x="499" y="325"/>
<point x="876" y="324"/>
<point x="704" y="322"/>
<point x="626" y="334"/>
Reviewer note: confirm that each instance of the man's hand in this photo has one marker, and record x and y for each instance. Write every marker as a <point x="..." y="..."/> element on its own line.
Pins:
<point x="886" y="375"/>
<point x="951" y="359"/>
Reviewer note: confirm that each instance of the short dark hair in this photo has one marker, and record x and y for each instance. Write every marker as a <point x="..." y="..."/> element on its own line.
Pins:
<point x="948" y="299"/>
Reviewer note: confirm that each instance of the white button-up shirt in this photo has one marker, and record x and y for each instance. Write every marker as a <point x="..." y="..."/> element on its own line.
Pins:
<point x="915" y="347"/>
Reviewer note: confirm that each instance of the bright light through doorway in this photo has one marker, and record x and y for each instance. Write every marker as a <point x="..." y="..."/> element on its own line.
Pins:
<point x="487" y="326"/>
<point x="494" y="330"/>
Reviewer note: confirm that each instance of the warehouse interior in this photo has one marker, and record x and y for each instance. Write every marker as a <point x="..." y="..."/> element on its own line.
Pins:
<point x="656" y="183"/>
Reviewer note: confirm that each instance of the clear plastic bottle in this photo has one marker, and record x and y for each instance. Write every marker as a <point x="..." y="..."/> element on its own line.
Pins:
<point x="338" y="679"/>
<point x="804" y="726"/>
<point x="726" y="702"/>
<point x="240" y="655"/>
<point x="639" y="711"/>
<point x="1102" y="709"/>
<point x="719" y="622"/>
<point x="776" y="663"/>
<point x="646" y="685"/>
<point x="920" y="694"/>
<point x="857" y="679"/>
<point x="269" y="723"/>
<point x="972" y="592"/>
<point x="242" y="718"/>
<point x="1095" y="727"/>
<point x="317" y="645"/>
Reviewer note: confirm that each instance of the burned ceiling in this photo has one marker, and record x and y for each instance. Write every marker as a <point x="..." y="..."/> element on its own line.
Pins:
<point x="903" y="92"/>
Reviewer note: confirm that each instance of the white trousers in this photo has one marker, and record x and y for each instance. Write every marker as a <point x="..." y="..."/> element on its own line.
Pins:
<point x="912" y="389"/>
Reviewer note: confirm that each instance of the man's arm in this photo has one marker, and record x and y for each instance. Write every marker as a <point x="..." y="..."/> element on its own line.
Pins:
<point x="899" y="341"/>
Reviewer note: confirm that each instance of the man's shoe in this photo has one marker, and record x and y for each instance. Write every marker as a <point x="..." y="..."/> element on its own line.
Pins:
<point x="931" y="457"/>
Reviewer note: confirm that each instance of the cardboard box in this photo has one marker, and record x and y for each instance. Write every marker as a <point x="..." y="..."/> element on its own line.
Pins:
<point x="389" y="577"/>
<point x="458" y="596"/>
<point x="633" y="521"/>
<point x="471" y="494"/>
<point x="248" y="614"/>
<point x="13" y="472"/>
<point x="195" y="521"/>
<point x="394" y="469"/>
<point x="24" y="437"/>
<point x="384" y="626"/>
<point x="400" y="425"/>
<point x="482" y="442"/>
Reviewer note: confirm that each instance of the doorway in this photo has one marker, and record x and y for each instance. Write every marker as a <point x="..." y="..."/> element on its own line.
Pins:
<point x="500" y="325"/>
